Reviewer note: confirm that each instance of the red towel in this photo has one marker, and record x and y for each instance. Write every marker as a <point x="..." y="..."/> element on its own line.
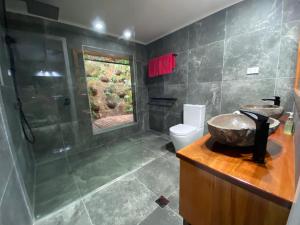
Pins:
<point x="161" y="65"/>
<point x="166" y="64"/>
<point x="153" y="67"/>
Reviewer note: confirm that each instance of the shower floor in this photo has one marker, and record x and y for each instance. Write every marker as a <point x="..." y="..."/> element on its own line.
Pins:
<point x="115" y="184"/>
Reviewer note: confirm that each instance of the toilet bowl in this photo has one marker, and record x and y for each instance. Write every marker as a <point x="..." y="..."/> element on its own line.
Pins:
<point x="192" y="127"/>
<point x="183" y="135"/>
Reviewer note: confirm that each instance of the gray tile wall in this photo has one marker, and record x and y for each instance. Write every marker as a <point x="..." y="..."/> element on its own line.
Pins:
<point x="61" y="129"/>
<point x="215" y="52"/>
<point x="16" y="167"/>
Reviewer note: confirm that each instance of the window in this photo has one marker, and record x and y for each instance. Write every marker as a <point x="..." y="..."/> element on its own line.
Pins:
<point x="110" y="92"/>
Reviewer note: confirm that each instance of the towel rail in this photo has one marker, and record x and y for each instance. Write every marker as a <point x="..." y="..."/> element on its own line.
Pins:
<point x="163" y="102"/>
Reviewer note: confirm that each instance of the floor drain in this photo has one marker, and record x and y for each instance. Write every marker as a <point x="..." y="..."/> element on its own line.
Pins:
<point x="162" y="201"/>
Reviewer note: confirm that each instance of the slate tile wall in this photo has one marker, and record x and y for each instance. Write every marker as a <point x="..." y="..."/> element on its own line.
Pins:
<point x="215" y="52"/>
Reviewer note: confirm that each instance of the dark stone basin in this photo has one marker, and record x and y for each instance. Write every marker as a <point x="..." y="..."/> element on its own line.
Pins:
<point x="236" y="129"/>
<point x="273" y="111"/>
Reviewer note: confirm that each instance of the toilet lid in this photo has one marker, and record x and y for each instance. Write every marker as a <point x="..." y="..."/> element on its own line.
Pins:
<point x="182" y="129"/>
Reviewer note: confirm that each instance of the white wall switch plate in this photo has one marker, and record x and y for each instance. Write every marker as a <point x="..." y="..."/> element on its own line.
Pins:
<point x="253" y="70"/>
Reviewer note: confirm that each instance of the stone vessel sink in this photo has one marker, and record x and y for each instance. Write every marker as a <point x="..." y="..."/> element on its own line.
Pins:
<point x="236" y="129"/>
<point x="273" y="111"/>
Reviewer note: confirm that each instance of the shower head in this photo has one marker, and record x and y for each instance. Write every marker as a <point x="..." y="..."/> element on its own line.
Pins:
<point x="42" y="9"/>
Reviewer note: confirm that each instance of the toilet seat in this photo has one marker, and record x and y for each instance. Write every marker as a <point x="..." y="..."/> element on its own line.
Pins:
<point x="182" y="130"/>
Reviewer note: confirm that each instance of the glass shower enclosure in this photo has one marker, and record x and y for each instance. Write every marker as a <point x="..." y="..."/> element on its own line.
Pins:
<point x="51" y="62"/>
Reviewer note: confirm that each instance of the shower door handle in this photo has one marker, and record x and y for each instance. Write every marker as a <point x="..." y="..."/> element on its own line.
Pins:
<point x="67" y="101"/>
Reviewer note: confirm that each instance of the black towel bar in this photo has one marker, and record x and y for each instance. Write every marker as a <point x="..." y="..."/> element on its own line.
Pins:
<point x="164" y="102"/>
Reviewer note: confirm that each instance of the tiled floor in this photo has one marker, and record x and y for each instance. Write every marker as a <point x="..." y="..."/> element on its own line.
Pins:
<point x="115" y="185"/>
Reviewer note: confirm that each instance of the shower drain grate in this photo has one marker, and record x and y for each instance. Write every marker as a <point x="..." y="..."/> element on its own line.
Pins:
<point x="162" y="201"/>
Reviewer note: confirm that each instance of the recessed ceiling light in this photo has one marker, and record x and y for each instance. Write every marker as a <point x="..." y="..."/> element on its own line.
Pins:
<point x="99" y="25"/>
<point x="127" y="34"/>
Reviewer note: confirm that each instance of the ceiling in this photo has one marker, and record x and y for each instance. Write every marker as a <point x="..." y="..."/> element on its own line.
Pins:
<point x="149" y="19"/>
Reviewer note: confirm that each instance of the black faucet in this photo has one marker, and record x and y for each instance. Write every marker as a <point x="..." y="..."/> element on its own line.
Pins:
<point x="276" y="100"/>
<point x="261" y="135"/>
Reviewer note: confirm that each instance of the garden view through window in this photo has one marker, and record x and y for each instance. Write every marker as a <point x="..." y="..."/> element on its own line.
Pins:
<point x="109" y="89"/>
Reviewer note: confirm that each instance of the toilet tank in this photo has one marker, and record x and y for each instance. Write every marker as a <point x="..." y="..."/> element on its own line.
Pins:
<point x="194" y="115"/>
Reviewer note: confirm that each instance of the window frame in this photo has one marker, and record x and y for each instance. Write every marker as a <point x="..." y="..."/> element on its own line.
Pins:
<point x="132" y="64"/>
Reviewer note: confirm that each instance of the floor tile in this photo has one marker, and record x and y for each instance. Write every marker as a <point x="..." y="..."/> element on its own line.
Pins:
<point x="51" y="170"/>
<point x="55" y="194"/>
<point x="161" y="176"/>
<point x="155" y="144"/>
<point x="135" y="156"/>
<point x="174" y="201"/>
<point x="162" y="216"/>
<point x="74" y="214"/>
<point x="126" y="202"/>
<point x="121" y="145"/>
<point x="6" y="161"/>
<point x="95" y="168"/>
<point x="49" y="156"/>
<point x="13" y="209"/>
<point x="171" y="157"/>
<point x="148" y="134"/>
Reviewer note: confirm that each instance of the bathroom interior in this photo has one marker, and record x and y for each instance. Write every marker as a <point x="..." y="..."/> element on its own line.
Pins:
<point x="149" y="112"/>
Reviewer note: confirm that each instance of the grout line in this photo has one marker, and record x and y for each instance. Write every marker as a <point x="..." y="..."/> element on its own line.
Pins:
<point x="34" y="191"/>
<point x="26" y="199"/>
<point x="66" y="206"/>
<point x="176" y="213"/>
<point x="225" y="26"/>
<point x="87" y="212"/>
<point x="57" y="211"/>
<point x="116" y="180"/>
<point x="224" y="52"/>
<point x="252" y="79"/>
<point x="14" y="166"/>
<point x="294" y="107"/>
<point x="156" y="155"/>
<point x="275" y="86"/>
<point x="79" y="190"/>
<point x="48" y="161"/>
<point x="156" y="195"/>
<point x="83" y="197"/>
<point x="188" y="69"/>
<point x="268" y="28"/>
<point x="68" y="154"/>
<point x="5" y="187"/>
<point x="147" y="188"/>
<point x="70" y="169"/>
<point x="204" y="45"/>
<point x="146" y="216"/>
<point x="279" y="52"/>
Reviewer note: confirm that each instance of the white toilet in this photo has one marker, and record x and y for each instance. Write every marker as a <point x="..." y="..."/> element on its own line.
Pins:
<point x="192" y="127"/>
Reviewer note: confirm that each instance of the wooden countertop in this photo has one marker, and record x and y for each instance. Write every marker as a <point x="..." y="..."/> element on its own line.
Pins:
<point x="274" y="180"/>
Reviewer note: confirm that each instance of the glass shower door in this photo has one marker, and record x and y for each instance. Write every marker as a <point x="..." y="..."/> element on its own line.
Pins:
<point x="45" y="83"/>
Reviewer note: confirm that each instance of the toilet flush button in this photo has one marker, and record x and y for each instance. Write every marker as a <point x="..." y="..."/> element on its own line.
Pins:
<point x="253" y="70"/>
